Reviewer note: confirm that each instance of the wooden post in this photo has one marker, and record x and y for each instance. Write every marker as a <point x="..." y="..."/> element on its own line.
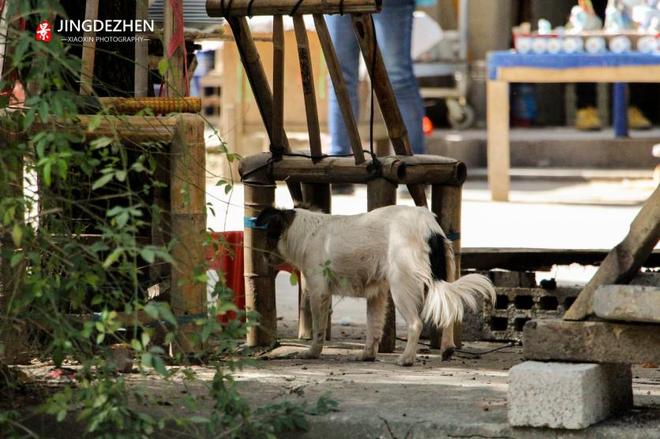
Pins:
<point x="621" y="264"/>
<point x="498" y="140"/>
<point x="174" y="77"/>
<point x="317" y="195"/>
<point x="365" y="32"/>
<point x="339" y="85"/>
<point x="309" y="93"/>
<point x="141" y="72"/>
<point x="446" y="204"/>
<point x="89" y="50"/>
<point x="259" y="276"/>
<point x="188" y="219"/>
<point x="381" y="192"/>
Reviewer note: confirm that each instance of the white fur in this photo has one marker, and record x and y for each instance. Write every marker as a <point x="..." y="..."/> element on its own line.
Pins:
<point x="368" y="254"/>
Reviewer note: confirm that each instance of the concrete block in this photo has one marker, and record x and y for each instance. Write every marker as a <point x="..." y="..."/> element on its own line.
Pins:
<point x="630" y="303"/>
<point x="567" y="395"/>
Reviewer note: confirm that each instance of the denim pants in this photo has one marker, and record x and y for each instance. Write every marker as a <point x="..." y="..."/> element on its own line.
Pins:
<point x="393" y="33"/>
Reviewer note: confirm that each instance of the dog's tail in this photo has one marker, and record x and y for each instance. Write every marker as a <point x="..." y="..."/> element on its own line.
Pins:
<point x="445" y="301"/>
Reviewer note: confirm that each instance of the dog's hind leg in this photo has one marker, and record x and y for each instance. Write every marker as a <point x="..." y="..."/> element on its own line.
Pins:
<point x="320" y="304"/>
<point x="410" y="312"/>
<point x="376" y="312"/>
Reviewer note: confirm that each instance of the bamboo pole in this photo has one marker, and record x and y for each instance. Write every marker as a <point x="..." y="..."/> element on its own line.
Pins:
<point x="188" y="219"/>
<point x="259" y="84"/>
<point x="364" y="30"/>
<point x="259" y="276"/>
<point x="89" y="49"/>
<point x="307" y="75"/>
<point x="277" y="145"/>
<point x="401" y="169"/>
<point x="132" y="128"/>
<point x="339" y="85"/>
<point x="624" y="260"/>
<point x="446" y="204"/>
<point x="156" y="104"/>
<point x="244" y="8"/>
<point x="381" y="192"/>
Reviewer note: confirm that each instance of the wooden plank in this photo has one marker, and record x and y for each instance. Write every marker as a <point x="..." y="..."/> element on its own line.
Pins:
<point x="259" y="276"/>
<point x="363" y="26"/>
<point x="630" y="303"/>
<point x="307" y="76"/>
<point x="381" y="192"/>
<point x="498" y="140"/>
<point x="339" y="85"/>
<point x="539" y="259"/>
<point x="601" y="342"/>
<point x="237" y="8"/>
<point x="623" y="262"/>
<point x="277" y="146"/>
<point x="89" y="49"/>
<point x="649" y="73"/>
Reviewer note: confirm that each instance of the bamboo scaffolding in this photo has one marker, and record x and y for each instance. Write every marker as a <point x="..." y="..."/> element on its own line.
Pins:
<point x="245" y="8"/>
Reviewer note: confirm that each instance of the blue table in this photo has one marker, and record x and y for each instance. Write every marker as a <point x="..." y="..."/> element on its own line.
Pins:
<point x="507" y="66"/>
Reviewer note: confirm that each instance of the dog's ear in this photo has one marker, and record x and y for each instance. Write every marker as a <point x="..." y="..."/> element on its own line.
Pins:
<point x="275" y="220"/>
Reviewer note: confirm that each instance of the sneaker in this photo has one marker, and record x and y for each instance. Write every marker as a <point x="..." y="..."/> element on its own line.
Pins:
<point x="637" y="120"/>
<point x="343" y="189"/>
<point x="587" y="119"/>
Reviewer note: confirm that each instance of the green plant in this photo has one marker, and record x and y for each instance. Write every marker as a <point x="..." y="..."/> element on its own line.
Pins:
<point x="67" y="294"/>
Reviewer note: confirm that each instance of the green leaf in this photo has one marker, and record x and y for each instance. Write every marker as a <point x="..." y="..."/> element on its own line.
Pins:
<point x="16" y="259"/>
<point x="112" y="257"/>
<point x="4" y="101"/>
<point x="135" y="344"/>
<point x="166" y="313"/>
<point x="293" y="278"/>
<point x="159" y="365"/>
<point x="17" y="234"/>
<point x="101" y="142"/>
<point x="163" y="66"/>
<point x="148" y="255"/>
<point x="199" y="419"/>
<point x="61" y="415"/>
<point x="102" y="181"/>
<point x="146" y="338"/>
<point x="120" y="175"/>
<point x="94" y="123"/>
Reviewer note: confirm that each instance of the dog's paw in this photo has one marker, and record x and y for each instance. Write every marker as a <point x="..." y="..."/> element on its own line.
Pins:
<point x="405" y="361"/>
<point x="309" y="354"/>
<point x="447" y="354"/>
<point x="365" y="356"/>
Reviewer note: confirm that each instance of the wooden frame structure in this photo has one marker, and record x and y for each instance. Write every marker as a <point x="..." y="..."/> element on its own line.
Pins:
<point x="309" y="175"/>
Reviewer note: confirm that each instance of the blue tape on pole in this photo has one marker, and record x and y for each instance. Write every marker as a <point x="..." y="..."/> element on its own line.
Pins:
<point x="249" y="222"/>
<point x="560" y="61"/>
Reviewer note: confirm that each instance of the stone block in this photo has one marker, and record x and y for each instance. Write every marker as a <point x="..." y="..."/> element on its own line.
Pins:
<point x="567" y="395"/>
<point x="630" y="303"/>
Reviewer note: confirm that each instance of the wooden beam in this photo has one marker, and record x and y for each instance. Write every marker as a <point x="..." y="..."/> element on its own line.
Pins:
<point x="537" y="259"/>
<point x="244" y="8"/>
<point x="558" y="340"/>
<point x="623" y="262"/>
<point x="141" y="71"/>
<point x="498" y="140"/>
<point x="339" y="86"/>
<point x="307" y="75"/>
<point x="648" y="73"/>
<point x="381" y="192"/>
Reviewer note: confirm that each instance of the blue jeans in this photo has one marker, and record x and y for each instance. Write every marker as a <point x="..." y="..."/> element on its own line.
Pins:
<point x="393" y="32"/>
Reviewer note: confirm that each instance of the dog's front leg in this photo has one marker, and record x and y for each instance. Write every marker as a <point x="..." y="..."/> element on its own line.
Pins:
<point x="376" y="312"/>
<point x="319" y="301"/>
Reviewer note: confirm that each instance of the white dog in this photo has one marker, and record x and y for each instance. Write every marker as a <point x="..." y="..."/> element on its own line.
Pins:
<point x="396" y="248"/>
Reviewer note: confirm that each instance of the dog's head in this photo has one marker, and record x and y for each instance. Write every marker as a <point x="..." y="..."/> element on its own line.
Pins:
<point x="276" y="222"/>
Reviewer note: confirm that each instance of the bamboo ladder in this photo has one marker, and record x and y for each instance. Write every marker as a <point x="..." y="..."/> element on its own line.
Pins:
<point x="309" y="180"/>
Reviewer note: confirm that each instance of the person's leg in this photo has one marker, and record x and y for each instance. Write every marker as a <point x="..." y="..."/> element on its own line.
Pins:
<point x="348" y="51"/>
<point x="394" y="34"/>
